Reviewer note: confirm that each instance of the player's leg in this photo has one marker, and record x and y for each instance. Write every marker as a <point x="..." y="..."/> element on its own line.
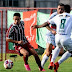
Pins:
<point x="44" y="53"/>
<point x="61" y="51"/>
<point x="50" y="41"/>
<point x="25" y="54"/>
<point x="47" y="54"/>
<point x="66" y="42"/>
<point x="65" y="56"/>
<point x="25" y="58"/>
<point x="32" y="51"/>
<point x="55" y="53"/>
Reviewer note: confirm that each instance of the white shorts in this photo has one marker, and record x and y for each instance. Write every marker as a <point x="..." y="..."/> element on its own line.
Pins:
<point x="50" y="39"/>
<point x="65" y="41"/>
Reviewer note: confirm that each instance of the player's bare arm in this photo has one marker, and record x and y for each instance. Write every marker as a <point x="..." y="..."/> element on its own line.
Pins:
<point x="14" y="41"/>
<point x="40" y="26"/>
<point x="50" y="29"/>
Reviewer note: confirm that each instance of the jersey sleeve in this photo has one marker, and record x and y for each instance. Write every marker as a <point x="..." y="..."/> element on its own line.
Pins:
<point x="9" y="33"/>
<point x="51" y="21"/>
<point x="51" y="18"/>
<point x="53" y="15"/>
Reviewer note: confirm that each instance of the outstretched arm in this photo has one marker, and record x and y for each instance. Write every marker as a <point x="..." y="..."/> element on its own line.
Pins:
<point x="40" y="26"/>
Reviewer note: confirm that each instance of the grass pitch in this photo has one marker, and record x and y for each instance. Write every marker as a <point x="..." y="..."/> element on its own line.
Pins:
<point x="66" y="66"/>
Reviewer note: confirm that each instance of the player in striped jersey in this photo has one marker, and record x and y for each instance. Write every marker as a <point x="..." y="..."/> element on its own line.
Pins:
<point x="15" y="34"/>
<point x="50" y="38"/>
<point x="63" y="32"/>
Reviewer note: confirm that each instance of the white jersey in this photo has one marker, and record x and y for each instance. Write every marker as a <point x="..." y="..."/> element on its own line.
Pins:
<point x="63" y="23"/>
<point x="63" y="28"/>
<point x="53" y="15"/>
<point x="50" y="38"/>
<point x="52" y="25"/>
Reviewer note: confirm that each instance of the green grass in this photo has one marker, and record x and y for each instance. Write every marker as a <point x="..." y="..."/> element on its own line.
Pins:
<point x="66" y="66"/>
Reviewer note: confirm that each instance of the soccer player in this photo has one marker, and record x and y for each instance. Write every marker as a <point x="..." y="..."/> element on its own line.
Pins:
<point x="15" y="34"/>
<point x="50" y="38"/>
<point x="62" y="38"/>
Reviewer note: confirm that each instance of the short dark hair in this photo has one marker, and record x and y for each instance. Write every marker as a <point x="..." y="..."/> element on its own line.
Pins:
<point x="60" y="4"/>
<point x="16" y="14"/>
<point x="67" y="8"/>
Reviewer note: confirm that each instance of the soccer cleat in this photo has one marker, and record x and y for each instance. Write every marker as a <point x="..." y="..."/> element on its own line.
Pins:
<point x="50" y="65"/>
<point x="41" y="69"/>
<point x="50" y="56"/>
<point x="27" y="67"/>
<point x="56" y="65"/>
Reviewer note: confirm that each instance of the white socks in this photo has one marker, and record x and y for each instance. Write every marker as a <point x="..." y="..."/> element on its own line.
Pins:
<point x="44" y="60"/>
<point x="65" y="56"/>
<point x="55" y="53"/>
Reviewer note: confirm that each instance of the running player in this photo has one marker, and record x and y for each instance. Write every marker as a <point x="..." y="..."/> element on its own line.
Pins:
<point x="15" y="34"/>
<point x="50" y="38"/>
<point x="63" y="32"/>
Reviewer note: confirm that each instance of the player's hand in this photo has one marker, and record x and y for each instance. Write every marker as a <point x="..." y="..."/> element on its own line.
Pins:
<point x="20" y="42"/>
<point x="34" y="26"/>
<point x="54" y="32"/>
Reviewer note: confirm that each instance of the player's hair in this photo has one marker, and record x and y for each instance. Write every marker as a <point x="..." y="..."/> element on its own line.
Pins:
<point x="16" y="14"/>
<point x="60" y="4"/>
<point x="67" y="8"/>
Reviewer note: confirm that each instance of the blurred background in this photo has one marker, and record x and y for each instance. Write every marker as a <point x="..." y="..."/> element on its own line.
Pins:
<point x="33" y="3"/>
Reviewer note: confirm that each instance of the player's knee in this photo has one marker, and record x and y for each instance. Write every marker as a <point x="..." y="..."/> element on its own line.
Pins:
<point x="26" y="54"/>
<point x="48" y="53"/>
<point x="35" y="54"/>
<point x="61" y="52"/>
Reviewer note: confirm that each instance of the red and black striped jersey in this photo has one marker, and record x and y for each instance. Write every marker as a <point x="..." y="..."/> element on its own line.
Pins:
<point x="16" y="32"/>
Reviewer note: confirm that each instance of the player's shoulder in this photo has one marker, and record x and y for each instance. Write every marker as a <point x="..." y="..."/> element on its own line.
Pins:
<point x="11" y="25"/>
<point x="10" y="28"/>
<point x="53" y="15"/>
<point x="71" y="16"/>
<point x="68" y="15"/>
<point x="64" y="15"/>
<point x="22" y="21"/>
